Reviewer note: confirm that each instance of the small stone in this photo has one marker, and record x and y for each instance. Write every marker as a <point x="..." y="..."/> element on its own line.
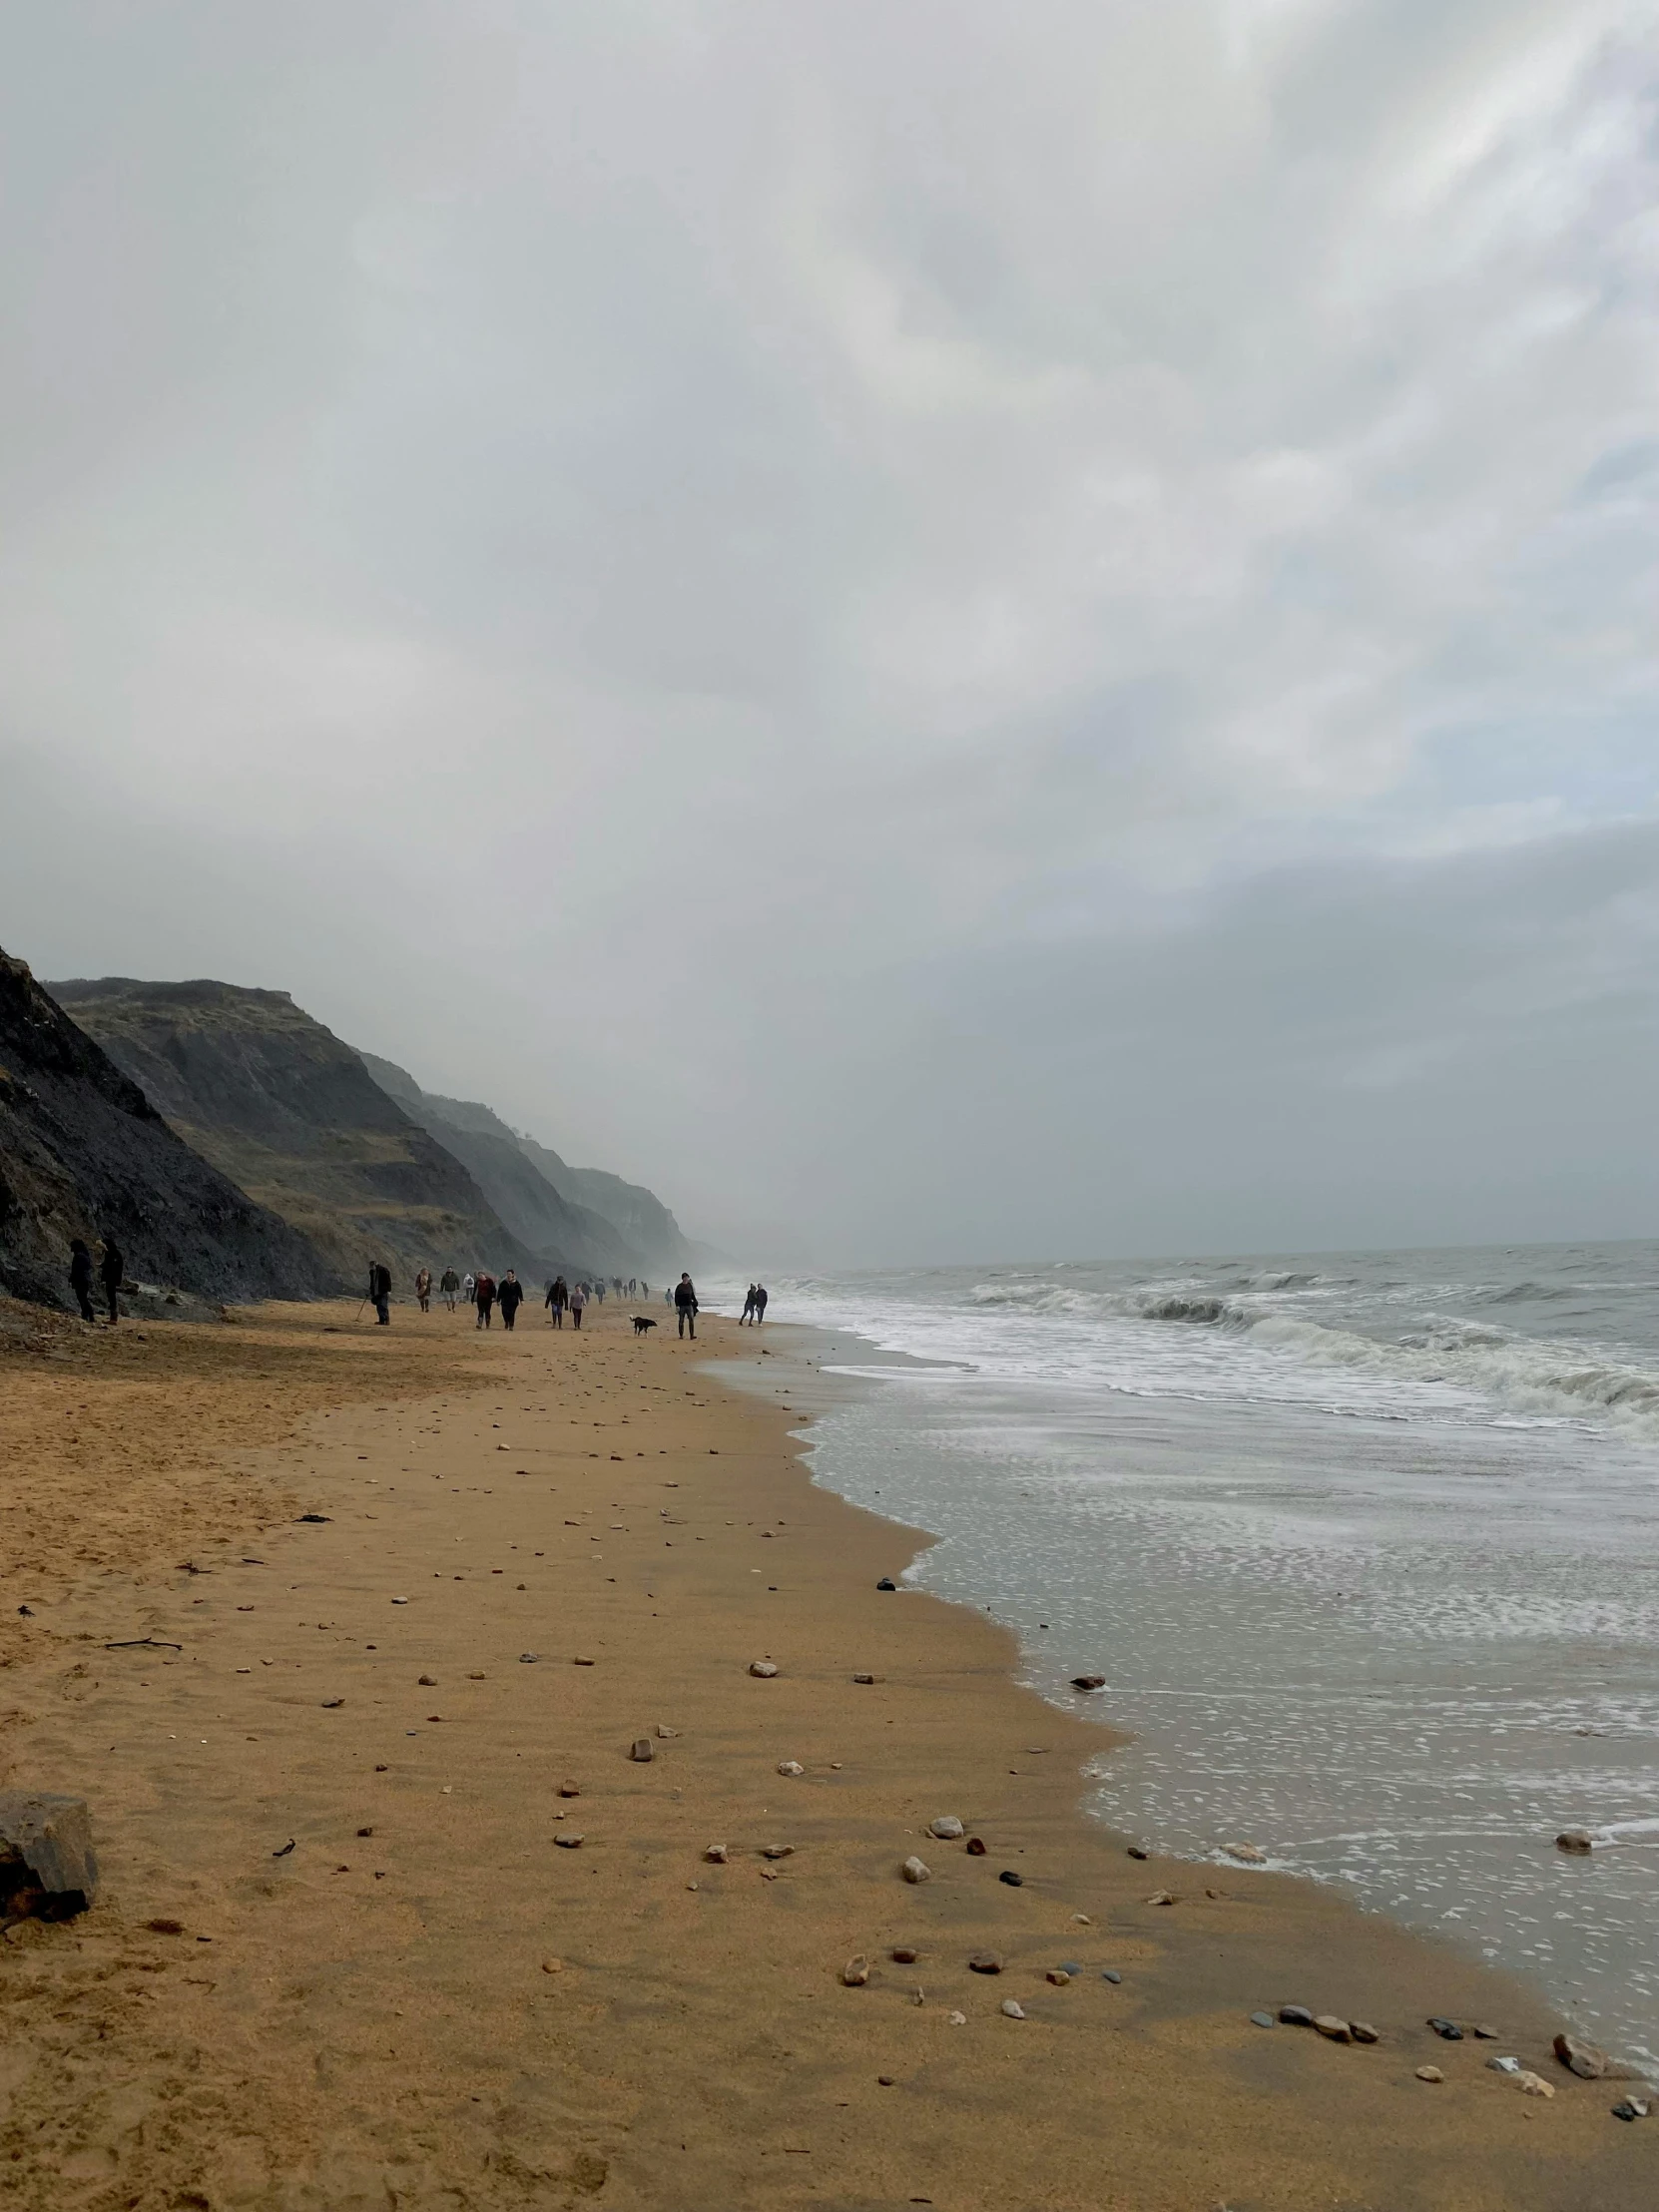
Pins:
<point x="1110" y="1974"/>
<point x="1296" y="2015"/>
<point x="1576" y="1841"/>
<point x="1485" y="2033"/>
<point x="1082" y="1920"/>
<point x="52" y="1836"/>
<point x="986" y="1962"/>
<point x="1089" y="1682"/>
<point x="528" y="1658"/>
<point x="906" y="1954"/>
<point x="1629" y="2108"/>
<point x="1331" y="2028"/>
<point x="570" y="1789"/>
<point x="568" y="1840"/>
<point x="916" y="1869"/>
<point x="1161" y="1896"/>
<point x="716" y="1854"/>
<point x="428" y="1682"/>
<point x="778" y="1851"/>
<point x="1533" y="2085"/>
<point x="1504" y="2065"/>
<point x="401" y="1601"/>
<point x="1247" y="1853"/>
<point x="1015" y="1881"/>
<point x="1013" y="2009"/>
<point x="1261" y="2020"/>
<point x="958" y="2019"/>
<point x="855" y="1973"/>
<point x="1071" y="1966"/>
<point x="476" y="1677"/>
<point x="1137" y="1852"/>
<point x="976" y="1847"/>
<point x="552" y="1966"/>
<point x="1430" y="2073"/>
<point x="764" y="1669"/>
<point x="1362" y="2031"/>
<point x="643" y="1750"/>
<point x="790" y="1766"/>
<point x="1580" y="2057"/>
<point x="332" y="1704"/>
<point x="165" y="1927"/>
<point x="1059" y="1976"/>
<point x="947" y="1828"/>
<point x="866" y="1678"/>
<point x="666" y="1734"/>
<point x="580" y="1660"/>
<point x="885" y="2081"/>
<point x="887" y="1583"/>
<point x="1447" y="2030"/>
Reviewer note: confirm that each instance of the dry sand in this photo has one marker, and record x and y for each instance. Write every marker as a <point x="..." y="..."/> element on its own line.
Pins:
<point x="425" y="2003"/>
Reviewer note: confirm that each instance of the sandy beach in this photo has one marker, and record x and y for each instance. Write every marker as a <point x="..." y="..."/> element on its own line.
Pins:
<point x="392" y="1916"/>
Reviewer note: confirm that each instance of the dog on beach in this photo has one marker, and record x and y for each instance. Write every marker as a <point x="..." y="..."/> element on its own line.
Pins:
<point x="643" y="1322"/>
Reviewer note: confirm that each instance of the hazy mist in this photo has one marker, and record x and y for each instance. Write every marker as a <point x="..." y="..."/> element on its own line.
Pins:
<point x="982" y="630"/>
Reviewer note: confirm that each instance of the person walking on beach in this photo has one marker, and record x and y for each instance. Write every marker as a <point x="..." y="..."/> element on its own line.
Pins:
<point x="469" y="1286"/>
<point x="113" y="1268"/>
<point x="448" y="1283"/>
<point x="423" y="1290"/>
<point x="748" y="1308"/>
<point x="379" y="1292"/>
<point x="684" y="1305"/>
<point x="558" y="1298"/>
<point x="509" y="1298"/>
<point x="760" y="1304"/>
<point x="80" y="1275"/>
<point x="577" y="1299"/>
<point x="484" y="1296"/>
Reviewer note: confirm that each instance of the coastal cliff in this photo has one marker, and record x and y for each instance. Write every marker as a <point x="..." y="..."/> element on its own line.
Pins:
<point x="84" y="1153"/>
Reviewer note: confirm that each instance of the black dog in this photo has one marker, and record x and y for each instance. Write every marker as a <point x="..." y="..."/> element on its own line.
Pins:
<point x="641" y="1324"/>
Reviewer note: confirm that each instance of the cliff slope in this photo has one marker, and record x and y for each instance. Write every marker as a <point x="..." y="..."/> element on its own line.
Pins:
<point x="527" y="1200"/>
<point x="84" y="1153"/>
<point x="280" y="1105"/>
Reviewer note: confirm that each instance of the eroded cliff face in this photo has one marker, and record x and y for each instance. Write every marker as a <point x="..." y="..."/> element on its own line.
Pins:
<point x="85" y="1152"/>
<point x="289" y="1113"/>
<point x="622" y="1227"/>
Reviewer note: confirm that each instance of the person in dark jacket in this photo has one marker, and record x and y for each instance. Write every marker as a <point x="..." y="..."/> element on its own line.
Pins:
<point x="684" y="1305"/>
<point x="379" y="1291"/>
<point x="510" y="1297"/>
<point x="760" y="1304"/>
<point x="111" y="1270"/>
<point x="80" y="1275"/>
<point x="558" y="1298"/>
<point x="484" y="1296"/>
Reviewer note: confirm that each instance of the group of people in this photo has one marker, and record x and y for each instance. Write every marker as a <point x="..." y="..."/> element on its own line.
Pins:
<point x="754" y="1307"/>
<point x="111" y="1267"/>
<point x="482" y="1292"/>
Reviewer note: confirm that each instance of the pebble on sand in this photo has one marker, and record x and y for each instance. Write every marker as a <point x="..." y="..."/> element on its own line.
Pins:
<point x="642" y="1750"/>
<point x="916" y="1869"/>
<point x="976" y="1847"/>
<point x="905" y="1954"/>
<point x="716" y="1854"/>
<point x="1362" y="2031"/>
<point x="790" y="1766"/>
<point x="570" y="1789"/>
<point x="1161" y="1896"/>
<point x="1089" y="1682"/>
<point x="1261" y="2020"/>
<point x="1013" y="1881"/>
<point x="1503" y="2066"/>
<point x="887" y="1583"/>
<point x="777" y="1851"/>
<point x="1579" y="2058"/>
<point x="1576" y="1841"/>
<point x="552" y="1966"/>
<point x="1447" y="2030"/>
<point x="986" y="1962"/>
<point x="1333" y="2029"/>
<point x="1430" y="2073"/>
<point x="666" y="1734"/>
<point x="1013" y="2009"/>
<point x="1296" y="2015"/>
<point x="1533" y="2085"/>
<point x="1059" y="1976"/>
<point x="855" y="1973"/>
<point x="428" y="1682"/>
<point x="1630" y="2108"/>
<point x="1249" y="1854"/>
<point x="947" y="1828"/>
<point x="958" y="2019"/>
<point x="1137" y="1851"/>
<point x="330" y="1703"/>
<point x="1110" y="1974"/>
<point x="866" y="1678"/>
<point x="764" y="1668"/>
<point x="569" y="1840"/>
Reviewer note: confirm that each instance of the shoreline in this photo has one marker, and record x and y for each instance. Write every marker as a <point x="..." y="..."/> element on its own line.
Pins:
<point x="371" y="2010"/>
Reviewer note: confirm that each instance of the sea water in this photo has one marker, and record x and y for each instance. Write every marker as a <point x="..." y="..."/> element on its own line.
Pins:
<point x="1366" y="1544"/>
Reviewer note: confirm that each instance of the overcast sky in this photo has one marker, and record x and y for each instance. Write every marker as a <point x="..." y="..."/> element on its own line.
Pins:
<point x="986" y="630"/>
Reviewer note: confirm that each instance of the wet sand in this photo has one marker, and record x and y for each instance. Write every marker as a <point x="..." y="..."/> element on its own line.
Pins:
<point x="427" y="2002"/>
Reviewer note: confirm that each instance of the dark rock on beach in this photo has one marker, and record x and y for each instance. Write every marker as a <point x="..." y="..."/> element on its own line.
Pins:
<point x="48" y="1868"/>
